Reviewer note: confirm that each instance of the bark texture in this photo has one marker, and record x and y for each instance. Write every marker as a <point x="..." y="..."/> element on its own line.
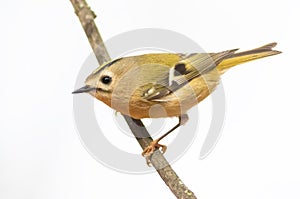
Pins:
<point x="172" y="180"/>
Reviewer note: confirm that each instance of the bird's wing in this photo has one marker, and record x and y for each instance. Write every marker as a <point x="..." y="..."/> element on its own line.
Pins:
<point x="187" y="68"/>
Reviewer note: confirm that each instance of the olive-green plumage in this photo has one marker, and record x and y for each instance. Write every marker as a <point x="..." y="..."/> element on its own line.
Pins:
<point x="165" y="84"/>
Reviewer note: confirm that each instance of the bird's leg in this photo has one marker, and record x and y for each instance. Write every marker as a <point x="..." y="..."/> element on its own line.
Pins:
<point x="155" y="145"/>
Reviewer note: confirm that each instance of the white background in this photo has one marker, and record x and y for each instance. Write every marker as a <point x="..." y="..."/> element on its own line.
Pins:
<point x="43" y="47"/>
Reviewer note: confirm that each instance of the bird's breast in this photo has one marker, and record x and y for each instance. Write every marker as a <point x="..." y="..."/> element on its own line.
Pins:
<point x="172" y="105"/>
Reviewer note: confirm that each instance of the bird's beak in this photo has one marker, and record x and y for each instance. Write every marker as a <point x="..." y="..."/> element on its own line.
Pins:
<point x="84" y="89"/>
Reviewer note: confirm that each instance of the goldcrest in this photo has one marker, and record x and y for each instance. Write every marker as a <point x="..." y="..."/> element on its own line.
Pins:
<point x="164" y="84"/>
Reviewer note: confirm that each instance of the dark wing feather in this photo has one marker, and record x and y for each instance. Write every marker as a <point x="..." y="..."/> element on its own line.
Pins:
<point x="189" y="67"/>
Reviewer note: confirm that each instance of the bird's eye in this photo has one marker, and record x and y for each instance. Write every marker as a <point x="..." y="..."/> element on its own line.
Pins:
<point x="106" y="80"/>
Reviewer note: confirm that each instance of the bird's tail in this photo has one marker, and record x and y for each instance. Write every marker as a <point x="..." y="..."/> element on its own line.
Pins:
<point x="242" y="57"/>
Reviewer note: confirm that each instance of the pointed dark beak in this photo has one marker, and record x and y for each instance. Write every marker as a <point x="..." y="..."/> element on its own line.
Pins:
<point x="84" y="89"/>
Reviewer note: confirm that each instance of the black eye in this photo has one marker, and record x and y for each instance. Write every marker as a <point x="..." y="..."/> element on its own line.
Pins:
<point x="106" y="79"/>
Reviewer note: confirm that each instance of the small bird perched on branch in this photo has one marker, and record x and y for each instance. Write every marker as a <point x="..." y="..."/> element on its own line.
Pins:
<point x="164" y="84"/>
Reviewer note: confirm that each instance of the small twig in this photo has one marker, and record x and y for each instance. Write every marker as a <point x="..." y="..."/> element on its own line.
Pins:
<point x="86" y="17"/>
<point x="159" y="162"/>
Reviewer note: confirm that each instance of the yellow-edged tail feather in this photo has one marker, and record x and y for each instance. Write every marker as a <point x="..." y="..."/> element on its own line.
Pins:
<point x="246" y="56"/>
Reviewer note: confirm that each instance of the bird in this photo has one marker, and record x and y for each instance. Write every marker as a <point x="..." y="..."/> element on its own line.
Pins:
<point x="160" y="85"/>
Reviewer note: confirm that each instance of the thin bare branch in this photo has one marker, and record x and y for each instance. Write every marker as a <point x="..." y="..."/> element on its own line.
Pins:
<point x="86" y="17"/>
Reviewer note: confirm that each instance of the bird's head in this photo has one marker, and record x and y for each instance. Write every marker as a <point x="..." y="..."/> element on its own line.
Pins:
<point x="101" y="82"/>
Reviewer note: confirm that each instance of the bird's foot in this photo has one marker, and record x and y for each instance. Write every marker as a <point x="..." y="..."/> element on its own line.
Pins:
<point x="152" y="147"/>
<point x="149" y="150"/>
